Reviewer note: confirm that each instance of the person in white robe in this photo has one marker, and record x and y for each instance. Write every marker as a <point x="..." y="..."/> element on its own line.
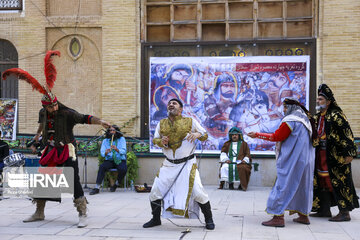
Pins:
<point x="235" y="161"/>
<point x="178" y="184"/>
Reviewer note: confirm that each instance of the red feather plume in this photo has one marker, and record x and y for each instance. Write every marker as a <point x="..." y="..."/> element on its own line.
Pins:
<point x="49" y="68"/>
<point x="24" y="75"/>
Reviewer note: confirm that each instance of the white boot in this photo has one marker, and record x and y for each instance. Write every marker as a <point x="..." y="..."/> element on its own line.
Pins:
<point x="80" y="204"/>
<point x="82" y="221"/>
<point x="39" y="212"/>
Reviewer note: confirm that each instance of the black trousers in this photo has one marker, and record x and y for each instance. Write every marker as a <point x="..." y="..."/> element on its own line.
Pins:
<point x="106" y="165"/>
<point x="78" y="190"/>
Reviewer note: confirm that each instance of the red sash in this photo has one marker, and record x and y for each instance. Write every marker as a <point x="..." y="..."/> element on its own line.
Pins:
<point x="52" y="159"/>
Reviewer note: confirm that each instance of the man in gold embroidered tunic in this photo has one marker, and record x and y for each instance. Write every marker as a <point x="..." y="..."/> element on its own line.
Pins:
<point x="333" y="184"/>
<point x="178" y="182"/>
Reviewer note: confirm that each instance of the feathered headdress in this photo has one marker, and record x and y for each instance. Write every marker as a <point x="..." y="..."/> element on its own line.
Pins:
<point x="50" y="75"/>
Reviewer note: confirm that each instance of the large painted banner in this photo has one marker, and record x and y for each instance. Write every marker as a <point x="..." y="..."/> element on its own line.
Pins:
<point x="8" y="118"/>
<point x="222" y="92"/>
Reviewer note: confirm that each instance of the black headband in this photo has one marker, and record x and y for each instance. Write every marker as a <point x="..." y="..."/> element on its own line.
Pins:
<point x="326" y="92"/>
<point x="177" y="100"/>
<point x="324" y="95"/>
<point x="288" y="101"/>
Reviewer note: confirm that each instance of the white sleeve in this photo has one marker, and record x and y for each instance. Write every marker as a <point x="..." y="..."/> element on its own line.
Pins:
<point x="196" y="127"/>
<point x="246" y="159"/>
<point x="223" y="157"/>
<point x="157" y="131"/>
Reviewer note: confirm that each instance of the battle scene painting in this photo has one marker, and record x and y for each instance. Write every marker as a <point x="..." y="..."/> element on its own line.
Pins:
<point x="222" y="92"/>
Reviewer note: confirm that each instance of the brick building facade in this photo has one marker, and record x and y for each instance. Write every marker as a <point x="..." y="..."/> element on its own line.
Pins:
<point x="101" y="77"/>
<point x="338" y="54"/>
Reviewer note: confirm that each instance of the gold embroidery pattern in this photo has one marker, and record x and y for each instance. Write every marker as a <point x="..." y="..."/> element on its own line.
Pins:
<point x="176" y="130"/>
<point x="347" y="170"/>
<point x="341" y="160"/>
<point x="315" y="182"/>
<point x="342" y="204"/>
<point x="191" y="186"/>
<point x="343" y="143"/>
<point x="203" y="137"/>
<point x="328" y="117"/>
<point x="340" y="143"/>
<point x="334" y="182"/>
<point x="316" y="203"/>
<point x="316" y="142"/>
<point x="339" y="176"/>
<point x="157" y="141"/>
<point x="348" y="134"/>
<point x="346" y="193"/>
<point x="339" y="122"/>
<point x="334" y="136"/>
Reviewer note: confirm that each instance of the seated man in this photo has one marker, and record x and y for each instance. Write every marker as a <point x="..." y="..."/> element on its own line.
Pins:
<point x="235" y="156"/>
<point x="113" y="149"/>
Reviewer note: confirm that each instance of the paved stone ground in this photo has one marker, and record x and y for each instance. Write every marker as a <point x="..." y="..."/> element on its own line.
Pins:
<point x="120" y="215"/>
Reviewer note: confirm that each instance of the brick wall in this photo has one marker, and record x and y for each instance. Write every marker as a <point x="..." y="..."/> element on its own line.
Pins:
<point x="27" y="35"/>
<point x="103" y="81"/>
<point x="338" y="54"/>
<point x="121" y="72"/>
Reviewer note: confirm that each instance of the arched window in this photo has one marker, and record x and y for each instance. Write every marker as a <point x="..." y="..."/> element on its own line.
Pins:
<point x="8" y="59"/>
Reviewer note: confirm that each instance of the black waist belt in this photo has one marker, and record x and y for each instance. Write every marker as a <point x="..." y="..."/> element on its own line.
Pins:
<point x="181" y="160"/>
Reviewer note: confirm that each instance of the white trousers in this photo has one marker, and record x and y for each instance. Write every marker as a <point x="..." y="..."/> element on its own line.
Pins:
<point x="180" y="192"/>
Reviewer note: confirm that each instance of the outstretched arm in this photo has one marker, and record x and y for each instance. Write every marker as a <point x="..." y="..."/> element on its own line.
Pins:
<point x="279" y="135"/>
<point x="87" y="119"/>
<point x="96" y="120"/>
